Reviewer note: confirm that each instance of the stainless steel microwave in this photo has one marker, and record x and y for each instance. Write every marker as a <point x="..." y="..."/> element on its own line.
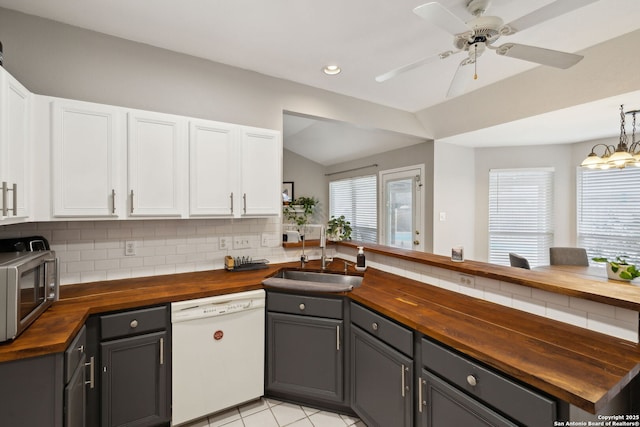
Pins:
<point x="29" y="284"/>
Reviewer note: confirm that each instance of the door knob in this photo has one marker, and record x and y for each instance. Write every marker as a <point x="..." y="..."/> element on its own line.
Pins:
<point x="416" y="242"/>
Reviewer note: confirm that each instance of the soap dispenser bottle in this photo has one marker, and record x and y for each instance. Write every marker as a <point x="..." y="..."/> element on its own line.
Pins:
<point x="360" y="261"/>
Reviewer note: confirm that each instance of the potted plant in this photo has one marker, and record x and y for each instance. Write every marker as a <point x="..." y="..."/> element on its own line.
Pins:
<point x="338" y="229"/>
<point x="300" y="211"/>
<point x="619" y="268"/>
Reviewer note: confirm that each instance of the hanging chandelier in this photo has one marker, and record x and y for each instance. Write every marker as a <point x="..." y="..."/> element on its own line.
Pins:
<point x="616" y="157"/>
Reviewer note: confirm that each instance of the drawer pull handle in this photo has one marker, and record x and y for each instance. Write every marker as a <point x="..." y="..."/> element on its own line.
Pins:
<point x="134" y="324"/>
<point x="374" y="326"/>
<point x="81" y="349"/>
<point x="472" y="380"/>
<point x="302" y="306"/>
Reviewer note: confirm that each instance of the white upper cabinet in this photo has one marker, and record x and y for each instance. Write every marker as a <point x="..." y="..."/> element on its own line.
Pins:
<point x="85" y="144"/>
<point x="213" y="168"/>
<point x="261" y="172"/>
<point x="15" y="125"/>
<point x="156" y="153"/>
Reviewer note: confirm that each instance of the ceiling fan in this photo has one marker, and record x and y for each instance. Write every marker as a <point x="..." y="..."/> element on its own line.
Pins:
<point x="482" y="32"/>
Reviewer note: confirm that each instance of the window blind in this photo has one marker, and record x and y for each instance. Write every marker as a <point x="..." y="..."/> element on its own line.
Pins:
<point x="355" y="198"/>
<point x="608" y="209"/>
<point x="520" y="214"/>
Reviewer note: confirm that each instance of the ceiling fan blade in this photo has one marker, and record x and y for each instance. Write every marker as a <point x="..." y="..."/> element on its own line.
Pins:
<point x="557" y="8"/>
<point x="390" y="74"/>
<point x="539" y="55"/>
<point x="461" y="78"/>
<point x="438" y="15"/>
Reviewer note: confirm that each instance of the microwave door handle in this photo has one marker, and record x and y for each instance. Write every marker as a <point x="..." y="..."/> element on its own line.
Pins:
<point x="53" y="294"/>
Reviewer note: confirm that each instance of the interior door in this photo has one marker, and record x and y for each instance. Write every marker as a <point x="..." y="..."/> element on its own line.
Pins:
<point x="402" y="218"/>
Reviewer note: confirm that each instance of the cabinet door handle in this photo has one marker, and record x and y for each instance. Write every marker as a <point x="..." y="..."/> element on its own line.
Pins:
<point x="402" y="370"/>
<point x="244" y="203"/>
<point x="133" y="324"/>
<point x="302" y="306"/>
<point x="92" y="372"/>
<point x="5" y="190"/>
<point x="113" y="201"/>
<point x="162" y="351"/>
<point x="421" y="384"/>
<point x="338" y="337"/>
<point x="374" y="326"/>
<point x="131" y="201"/>
<point x="231" y="197"/>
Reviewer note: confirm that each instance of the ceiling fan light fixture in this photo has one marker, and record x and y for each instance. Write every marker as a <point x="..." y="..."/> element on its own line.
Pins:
<point x="331" y="69"/>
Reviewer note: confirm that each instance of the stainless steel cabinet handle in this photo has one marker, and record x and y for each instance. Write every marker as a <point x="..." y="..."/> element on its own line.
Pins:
<point x="402" y="368"/>
<point x="338" y="337"/>
<point x="131" y="201"/>
<point x="302" y="306"/>
<point x="92" y="375"/>
<point x="472" y="380"/>
<point x="244" y="202"/>
<point x="81" y="349"/>
<point x="421" y="384"/>
<point x="113" y="201"/>
<point x="162" y="351"/>
<point x="231" y="201"/>
<point x="5" y="190"/>
<point x="374" y="326"/>
<point x="134" y="323"/>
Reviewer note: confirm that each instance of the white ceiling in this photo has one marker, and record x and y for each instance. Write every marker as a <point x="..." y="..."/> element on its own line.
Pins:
<point x="294" y="39"/>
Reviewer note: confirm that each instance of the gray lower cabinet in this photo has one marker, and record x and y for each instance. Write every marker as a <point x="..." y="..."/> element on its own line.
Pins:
<point x="305" y="349"/>
<point x="455" y="390"/>
<point x="381" y="369"/>
<point x="45" y="391"/>
<point x="132" y="382"/>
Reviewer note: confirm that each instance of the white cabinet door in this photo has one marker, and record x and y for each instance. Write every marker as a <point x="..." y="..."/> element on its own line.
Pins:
<point x="15" y="122"/>
<point x="213" y="168"/>
<point x="85" y="142"/>
<point x="156" y="148"/>
<point x="261" y="172"/>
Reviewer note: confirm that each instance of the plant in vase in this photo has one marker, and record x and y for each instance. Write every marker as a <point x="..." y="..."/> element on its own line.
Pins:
<point x="300" y="211"/>
<point x="338" y="229"/>
<point x="619" y="268"/>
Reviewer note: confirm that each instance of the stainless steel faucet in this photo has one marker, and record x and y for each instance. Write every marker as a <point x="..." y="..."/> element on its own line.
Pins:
<point x="325" y="260"/>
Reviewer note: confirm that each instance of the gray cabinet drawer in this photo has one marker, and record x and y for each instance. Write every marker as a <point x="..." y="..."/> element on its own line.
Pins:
<point x="305" y="305"/>
<point x="133" y="322"/>
<point x="384" y="329"/>
<point x="509" y="397"/>
<point x="74" y="354"/>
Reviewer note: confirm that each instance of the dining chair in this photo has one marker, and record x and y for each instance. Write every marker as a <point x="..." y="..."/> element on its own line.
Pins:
<point x="518" y="261"/>
<point x="568" y="256"/>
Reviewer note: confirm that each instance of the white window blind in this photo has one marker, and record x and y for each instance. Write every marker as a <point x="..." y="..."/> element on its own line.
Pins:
<point x="520" y="214"/>
<point x="355" y="198"/>
<point x="608" y="209"/>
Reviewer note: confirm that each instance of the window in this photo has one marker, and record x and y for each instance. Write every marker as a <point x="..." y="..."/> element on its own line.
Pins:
<point x="608" y="209"/>
<point x="520" y="214"/>
<point x="355" y="198"/>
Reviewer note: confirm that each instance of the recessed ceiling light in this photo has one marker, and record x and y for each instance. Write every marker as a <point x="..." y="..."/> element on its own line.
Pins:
<point x="331" y="70"/>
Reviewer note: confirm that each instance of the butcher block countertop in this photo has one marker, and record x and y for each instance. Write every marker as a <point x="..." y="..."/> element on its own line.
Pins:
<point x="584" y="368"/>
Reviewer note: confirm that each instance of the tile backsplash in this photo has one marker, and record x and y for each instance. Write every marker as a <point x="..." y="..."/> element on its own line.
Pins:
<point x="95" y="250"/>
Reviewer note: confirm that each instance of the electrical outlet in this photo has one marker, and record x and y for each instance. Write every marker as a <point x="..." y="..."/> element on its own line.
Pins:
<point x="443" y="216"/>
<point x="269" y="240"/>
<point x="224" y="242"/>
<point x="129" y="248"/>
<point x="466" y="279"/>
<point x="241" y="242"/>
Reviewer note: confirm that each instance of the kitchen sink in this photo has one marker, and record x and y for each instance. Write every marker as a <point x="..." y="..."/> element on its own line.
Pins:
<point x="313" y="281"/>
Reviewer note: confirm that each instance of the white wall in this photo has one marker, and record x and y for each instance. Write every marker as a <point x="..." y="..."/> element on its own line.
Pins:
<point x="454" y="195"/>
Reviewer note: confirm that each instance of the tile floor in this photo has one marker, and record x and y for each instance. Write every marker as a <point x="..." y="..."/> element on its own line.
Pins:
<point x="273" y="413"/>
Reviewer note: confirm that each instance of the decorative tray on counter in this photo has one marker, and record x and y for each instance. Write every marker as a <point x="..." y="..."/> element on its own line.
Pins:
<point x="244" y="263"/>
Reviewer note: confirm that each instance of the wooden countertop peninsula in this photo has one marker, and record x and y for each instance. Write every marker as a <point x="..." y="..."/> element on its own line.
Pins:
<point x="584" y="368"/>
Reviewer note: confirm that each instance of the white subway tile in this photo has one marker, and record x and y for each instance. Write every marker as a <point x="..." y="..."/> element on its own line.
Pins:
<point x="567" y="315"/>
<point x="613" y="327"/>
<point x="592" y="307"/>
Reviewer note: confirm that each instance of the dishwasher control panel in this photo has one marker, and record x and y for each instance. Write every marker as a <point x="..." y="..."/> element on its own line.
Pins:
<point x="216" y="306"/>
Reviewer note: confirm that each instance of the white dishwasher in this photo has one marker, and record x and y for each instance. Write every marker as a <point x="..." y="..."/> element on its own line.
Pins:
<point x="217" y="353"/>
